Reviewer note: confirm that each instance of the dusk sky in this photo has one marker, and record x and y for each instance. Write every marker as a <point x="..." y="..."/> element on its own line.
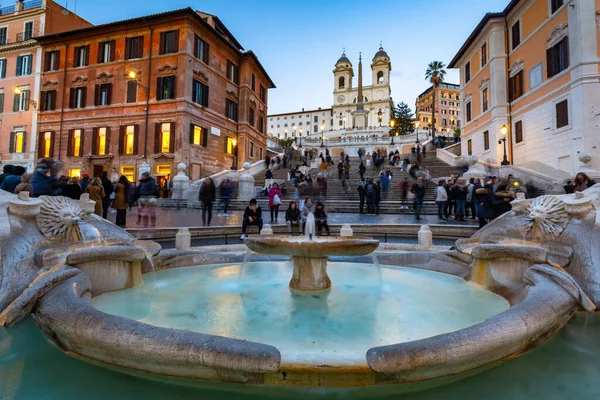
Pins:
<point x="298" y="42"/>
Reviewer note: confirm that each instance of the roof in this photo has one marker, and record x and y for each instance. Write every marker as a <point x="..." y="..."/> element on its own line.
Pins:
<point x="381" y="53"/>
<point x="251" y="54"/>
<point x="473" y="36"/>
<point x="343" y="59"/>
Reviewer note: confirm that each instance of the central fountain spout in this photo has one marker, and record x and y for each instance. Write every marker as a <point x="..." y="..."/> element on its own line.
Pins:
<point x="309" y="255"/>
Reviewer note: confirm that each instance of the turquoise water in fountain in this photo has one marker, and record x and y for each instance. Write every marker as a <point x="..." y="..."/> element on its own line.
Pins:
<point x="366" y="307"/>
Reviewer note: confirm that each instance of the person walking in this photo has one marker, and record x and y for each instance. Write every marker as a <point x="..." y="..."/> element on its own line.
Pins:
<point x="108" y="193"/>
<point x="97" y="194"/>
<point x="441" y="197"/>
<point x="207" y="197"/>
<point x="403" y="187"/>
<point x="370" y="192"/>
<point x="274" y="201"/>
<point x="470" y="208"/>
<point x="362" y="194"/>
<point x="323" y="167"/>
<point x="252" y="216"/>
<point x="321" y="219"/>
<point x="292" y="217"/>
<point x="145" y="195"/>
<point x="418" y="189"/>
<point x="347" y="168"/>
<point x="361" y="170"/>
<point x="459" y="193"/>
<point x="121" y="200"/>
<point x="225" y="191"/>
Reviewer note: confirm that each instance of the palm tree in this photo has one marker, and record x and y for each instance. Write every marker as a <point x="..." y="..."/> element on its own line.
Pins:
<point x="435" y="74"/>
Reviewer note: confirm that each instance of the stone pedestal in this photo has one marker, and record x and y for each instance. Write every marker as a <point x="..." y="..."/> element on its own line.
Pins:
<point x="266" y="230"/>
<point x="183" y="239"/>
<point x="87" y="205"/>
<point x="310" y="274"/>
<point x="346" y="230"/>
<point x="425" y="237"/>
<point x="181" y="183"/>
<point x="587" y="168"/>
<point x="246" y="184"/>
<point x="25" y="206"/>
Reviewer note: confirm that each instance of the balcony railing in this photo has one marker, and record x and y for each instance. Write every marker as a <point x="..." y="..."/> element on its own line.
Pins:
<point x="28" y="5"/>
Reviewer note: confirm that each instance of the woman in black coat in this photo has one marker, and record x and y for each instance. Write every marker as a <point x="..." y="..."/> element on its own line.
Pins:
<point x="207" y="197"/>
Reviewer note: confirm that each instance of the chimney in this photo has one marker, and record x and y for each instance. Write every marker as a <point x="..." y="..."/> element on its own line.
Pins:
<point x="19" y="6"/>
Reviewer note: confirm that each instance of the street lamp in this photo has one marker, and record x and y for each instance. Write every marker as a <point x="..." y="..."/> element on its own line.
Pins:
<point x="392" y="133"/>
<point x="504" y="132"/>
<point x="18" y="91"/>
<point x="134" y="76"/>
<point x="322" y="134"/>
<point x="300" y="137"/>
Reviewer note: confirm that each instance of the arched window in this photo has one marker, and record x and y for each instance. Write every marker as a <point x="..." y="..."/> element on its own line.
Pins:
<point x="341" y="83"/>
<point x="380" y="77"/>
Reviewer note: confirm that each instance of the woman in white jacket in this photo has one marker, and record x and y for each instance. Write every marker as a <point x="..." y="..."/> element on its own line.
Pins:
<point x="441" y="197"/>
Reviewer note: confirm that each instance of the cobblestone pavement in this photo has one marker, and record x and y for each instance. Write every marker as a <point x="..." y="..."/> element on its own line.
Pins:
<point x="172" y="217"/>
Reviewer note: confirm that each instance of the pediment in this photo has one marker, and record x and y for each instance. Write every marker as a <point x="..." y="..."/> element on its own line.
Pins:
<point x="167" y="69"/>
<point x="104" y="77"/>
<point x="79" y="81"/>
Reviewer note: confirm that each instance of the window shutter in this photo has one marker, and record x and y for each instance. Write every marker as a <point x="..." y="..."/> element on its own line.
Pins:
<point x="205" y="96"/>
<point x="97" y="95"/>
<point x="86" y="60"/>
<point x="4" y="69"/>
<point x="511" y="89"/>
<point x="175" y="37"/>
<point x="72" y="98"/>
<point x="121" y="139"/>
<point x="52" y="140"/>
<point x="550" y="62"/>
<point x="1" y="102"/>
<point x="24" y="150"/>
<point x="30" y="59"/>
<point x="567" y="52"/>
<point x="206" y="53"/>
<point x="172" y="137"/>
<point x="100" y="52"/>
<point x="136" y="135"/>
<point x="16" y="103"/>
<point x="112" y="50"/>
<point x="173" y="80"/>
<point x="157" y="135"/>
<point x="26" y="99"/>
<point x="204" y="139"/>
<point x="95" y="141"/>
<point x="131" y="91"/>
<point x="70" y="143"/>
<point x="109" y="94"/>
<point x="192" y="133"/>
<point x="53" y="100"/>
<point x="76" y="53"/>
<point x="128" y="48"/>
<point x="56" y="65"/>
<point x="194" y="90"/>
<point x="159" y="87"/>
<point x="81" y="142"/>
<point x="19" y="65"/>
<point x="161" y="47"/>
<point x="40" y="149"/>
<point x="108" y="141"/>
<point x="225" y="145"/>
<point x="43" y="101"/>
<point x="196" y="42"/>
<point x="83" y="96"/>
<point x="11" y="147"/>
<point x="47" y="61"/>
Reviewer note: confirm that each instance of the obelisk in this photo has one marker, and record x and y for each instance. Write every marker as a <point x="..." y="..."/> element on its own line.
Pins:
<point x="360" y="117"/>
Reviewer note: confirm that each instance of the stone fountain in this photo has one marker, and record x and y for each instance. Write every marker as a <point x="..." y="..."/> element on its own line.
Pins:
<point x="58" y="261"/>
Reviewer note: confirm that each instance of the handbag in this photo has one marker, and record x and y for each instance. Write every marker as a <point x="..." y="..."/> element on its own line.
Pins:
<point x="276" y="200"/>
<point x="410" y="196"/>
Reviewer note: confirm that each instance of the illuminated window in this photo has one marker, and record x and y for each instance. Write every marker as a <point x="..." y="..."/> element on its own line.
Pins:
<point x="75" y="172"/>
<point x="165" y="143"/>
<point x="101" y="142"/>
<point x="129" y="139"/>
<point x="17" y="143"/>
<point x="163" y="170"/>
<point x="199" y="136"/>
<point x="128" y="171"/>
<point x="76" y="143"/>
<point x="230" y="144"/>
<point x="47" y="143"/>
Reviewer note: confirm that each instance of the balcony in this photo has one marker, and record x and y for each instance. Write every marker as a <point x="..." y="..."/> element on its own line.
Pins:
<point x="28" y="5"/>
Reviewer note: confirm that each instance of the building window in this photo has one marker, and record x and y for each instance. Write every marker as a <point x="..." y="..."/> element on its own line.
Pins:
<point x="515" y="87"/>
<point x="263" y="94"/>
<point x="164" y="139"/>
<point x="17" y="142"/>
<point x="486" y="140"/>
<point x="251" y="116"/>
<point x="260" y="152"/>
<point x="468" y="111"/>
<point x="4" y="35"/>
<point x="231" y="109"/>
<point x="77" y="98"/>
<point x="52" y="60"/>
<point x="75" y="145"/>
<point x="557" y="57"/>
<point x="253" y="83"/>
<point x="315" y="128"/>
<point x="24" y="65"/>
<point x="169" y="42"/>
<point x="261" y="125"/>
<point x="128" y="138"/>
<point x="199" y="135"/>
<point x="129" y="172"/>
<point x="75" y="172"/>
<point x="484" y="100"/>
<point x="518" y="131"/>
<point x="2" y="68"/>
<point x="469" y="147"/>
<point x="28" y="30"/>
<point x="467" y="72"/>
<point x="316" y="119"/>
<point x="516" y="34"/>
<point x="100" y="141"/>
<point x="46" y="145"/>
<point x="81" y="56"/>
<point x="106" y="52"/>
<point x="252" y="149"/>
<point x="165" y="87"/>
<point x="555" y="5"/>
<point x="21" y="101"/>
<point x="200" y="93"/>
<point x="380" y="78"/>
<point x="201" y="49"/>
<point x="102" y="94"/>
<point x="483" y="55"/>
<point x="233" y="72"/>
<point x="444" y="122"/>
<point x="134" y="47"/>
<point x="48" y="100"/>
<point x="230" y="144"/>
<point x="562" y="114"/>
<point x="132" y="91"/>
<point x="342" y="83"/>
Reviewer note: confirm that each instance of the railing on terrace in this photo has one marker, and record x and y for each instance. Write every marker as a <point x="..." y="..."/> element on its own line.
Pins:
<point x="28" y="5"/>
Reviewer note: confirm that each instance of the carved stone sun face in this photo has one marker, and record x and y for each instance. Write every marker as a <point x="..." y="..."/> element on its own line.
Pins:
<point x="57" y="217"/>
<point x="547" y="217"/>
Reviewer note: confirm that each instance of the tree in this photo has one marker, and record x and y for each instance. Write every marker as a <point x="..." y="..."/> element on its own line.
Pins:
<point x="435" y="74"/>
<point x="403" y="120"/>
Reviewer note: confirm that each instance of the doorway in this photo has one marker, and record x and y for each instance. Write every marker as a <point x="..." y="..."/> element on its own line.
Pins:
<point x="98" y="169"/>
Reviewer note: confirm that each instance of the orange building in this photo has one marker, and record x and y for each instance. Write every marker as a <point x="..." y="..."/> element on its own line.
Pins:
<point x="447" y="107"/>
<point x="534" y="69"/>
<point x="149" y="93"/>
<point x="20" y="67"/>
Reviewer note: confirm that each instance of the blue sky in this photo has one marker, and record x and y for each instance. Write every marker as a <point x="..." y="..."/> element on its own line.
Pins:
<point x="298" y="42"/>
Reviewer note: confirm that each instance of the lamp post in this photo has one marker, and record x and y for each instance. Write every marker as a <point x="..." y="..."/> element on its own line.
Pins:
<point x="300" y="137"/>
<point x="18" y="92"/>
<point x="504" y="131"/>
<point x="322" y="134"/>
<point x="392" y="133"/>
<point x="133" y="76"/>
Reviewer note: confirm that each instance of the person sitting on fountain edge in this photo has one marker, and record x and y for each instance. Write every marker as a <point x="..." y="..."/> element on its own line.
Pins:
<point x="252" y="216"/>
<point x="321" y="218"/>
<point x="292" y="217"/>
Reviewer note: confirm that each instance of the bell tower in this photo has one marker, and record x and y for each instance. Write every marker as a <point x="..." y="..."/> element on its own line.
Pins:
<point x="381" y="68"/>
<point x="342" y="76"/>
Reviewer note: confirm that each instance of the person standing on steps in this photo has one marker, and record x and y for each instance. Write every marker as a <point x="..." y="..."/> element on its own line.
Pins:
<point x="340" y="168"/>
<point x="274" y="201"/>
<point x="207" y="197"/>
<point x="441" y="197"/>
<point x="108" y="193"/>
<point x="252" y="216"/>
<point x="418" y="189"/>
<point x="361" y="170"/>
<point x="362" y="194"/>
<point x="370" y="194"/>
<point x="377" y="198"/>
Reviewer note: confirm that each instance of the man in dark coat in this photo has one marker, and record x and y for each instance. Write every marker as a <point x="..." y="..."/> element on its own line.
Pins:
<point x="108" y="190"/>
